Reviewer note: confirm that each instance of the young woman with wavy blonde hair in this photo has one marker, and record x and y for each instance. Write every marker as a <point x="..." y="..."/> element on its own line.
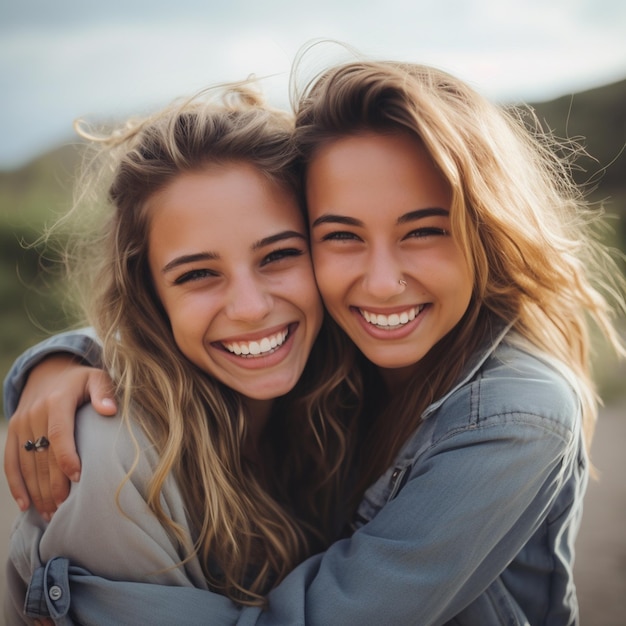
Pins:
<point x="451" y="247"/>
<point x="197" y="278"/>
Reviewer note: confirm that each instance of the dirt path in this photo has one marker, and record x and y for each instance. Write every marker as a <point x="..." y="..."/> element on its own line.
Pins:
<point x="601" y="550"/>
<point x="600" y="569"/>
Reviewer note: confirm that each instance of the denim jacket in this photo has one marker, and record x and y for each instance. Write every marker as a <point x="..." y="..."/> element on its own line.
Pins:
<point x="473" y="524"/>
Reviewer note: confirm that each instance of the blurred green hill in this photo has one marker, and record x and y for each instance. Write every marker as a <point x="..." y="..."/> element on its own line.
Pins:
<point x="33" y="195"/>
<point x="597" y="118"/>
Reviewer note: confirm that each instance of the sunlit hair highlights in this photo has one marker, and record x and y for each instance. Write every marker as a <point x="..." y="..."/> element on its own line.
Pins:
<point x="520" y="220"/>
<point x="248" y="535"/>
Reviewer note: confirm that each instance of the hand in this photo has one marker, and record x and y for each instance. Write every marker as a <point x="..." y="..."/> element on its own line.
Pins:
<point x="55" y="389"/>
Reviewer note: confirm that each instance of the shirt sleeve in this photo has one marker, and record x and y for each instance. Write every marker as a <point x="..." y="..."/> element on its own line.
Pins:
<point x="104" y="527"/>
<point x="82" y="343"/>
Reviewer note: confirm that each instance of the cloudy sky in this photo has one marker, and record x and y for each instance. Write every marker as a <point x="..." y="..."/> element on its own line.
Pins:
<point x="63" y="59"/>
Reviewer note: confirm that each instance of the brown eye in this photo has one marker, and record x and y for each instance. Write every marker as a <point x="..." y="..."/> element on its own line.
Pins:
<point x="282" y="253"/>
<point x="340" y="235"/>
<point x="193" y="275"/>
<point x="431" y="231"/>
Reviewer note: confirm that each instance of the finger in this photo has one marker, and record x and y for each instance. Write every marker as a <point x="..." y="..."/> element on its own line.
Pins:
<point x="100" y="390"/>
<point x="59" y="482"/>
<point x="12" y="470"/>
<point x="61" y="418"/>
<point x="32" y="424"/>
<point x="30" y="476"/>
<point x="46" y="505"/>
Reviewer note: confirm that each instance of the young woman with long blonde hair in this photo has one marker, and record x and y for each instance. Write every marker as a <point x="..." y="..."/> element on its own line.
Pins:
<point x="221" y="470"/>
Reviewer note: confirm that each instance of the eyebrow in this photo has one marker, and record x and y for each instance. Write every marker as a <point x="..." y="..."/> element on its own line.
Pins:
<point x="189" y="258"/>
<point x="214" y="256"/>
<point x="411" y="216"/>
<point x="286" y="234"/>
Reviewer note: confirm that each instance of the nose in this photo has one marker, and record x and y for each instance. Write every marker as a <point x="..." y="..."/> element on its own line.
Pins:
<point x="383" y="277"/>
<point x="249" y="300"/>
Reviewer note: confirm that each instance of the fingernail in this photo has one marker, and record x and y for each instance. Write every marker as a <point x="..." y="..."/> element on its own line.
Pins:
<point x="21" y="504"/>
<point x="108" y="402"/>
<point x="46" y="516"/>
<point x="75" y="477"/>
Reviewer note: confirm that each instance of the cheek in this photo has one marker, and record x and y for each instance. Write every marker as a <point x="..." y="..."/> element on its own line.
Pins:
<point x="327" y="274"/>
<point x="461" y="283"/>
<point x="308" y="297"/>
<point x="189" y="318"/>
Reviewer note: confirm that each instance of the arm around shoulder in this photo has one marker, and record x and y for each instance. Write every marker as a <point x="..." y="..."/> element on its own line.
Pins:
<point x="81" y="343"/>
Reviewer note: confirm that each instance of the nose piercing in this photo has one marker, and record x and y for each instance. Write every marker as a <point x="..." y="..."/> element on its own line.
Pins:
<point x="402" y="282"/>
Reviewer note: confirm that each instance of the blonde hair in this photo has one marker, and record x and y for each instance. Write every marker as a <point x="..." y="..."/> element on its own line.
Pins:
<point x="248" y="535"/>
<point x="521" y="222"/>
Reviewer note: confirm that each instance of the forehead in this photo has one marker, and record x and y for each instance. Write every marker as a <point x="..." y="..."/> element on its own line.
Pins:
<point x="219" y="191"/>
<point x="221" y="209"/>
<point x="390" y="171"/>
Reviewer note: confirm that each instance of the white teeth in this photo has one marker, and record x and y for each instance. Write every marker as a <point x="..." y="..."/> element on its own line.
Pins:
<point x="255" y="348"/>
<point x="391" y="321"/>
<point x="261" y="347"/>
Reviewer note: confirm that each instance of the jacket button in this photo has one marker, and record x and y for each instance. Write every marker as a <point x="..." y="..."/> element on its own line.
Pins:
<point x="55" y="592"/>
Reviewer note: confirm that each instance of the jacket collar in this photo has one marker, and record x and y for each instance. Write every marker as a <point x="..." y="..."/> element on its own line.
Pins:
<point x="487" y="348"/>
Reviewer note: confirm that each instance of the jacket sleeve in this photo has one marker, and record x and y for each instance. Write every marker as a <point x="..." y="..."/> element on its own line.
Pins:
<point x="81" y="343"/>
<point x="466" y="510"/>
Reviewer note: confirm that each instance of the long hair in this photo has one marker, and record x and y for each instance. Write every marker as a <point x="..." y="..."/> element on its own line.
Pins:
<point x="248" y="535"/>
<point x="521" y="222"/>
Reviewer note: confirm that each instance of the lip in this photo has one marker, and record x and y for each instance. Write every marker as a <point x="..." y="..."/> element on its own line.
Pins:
<point x="260" y="361"/>
<point x="390" y="333"/>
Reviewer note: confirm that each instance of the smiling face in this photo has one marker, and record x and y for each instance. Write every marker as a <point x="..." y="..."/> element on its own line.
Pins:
<point x="229" y="258"/>
<point x="380" y="217"/>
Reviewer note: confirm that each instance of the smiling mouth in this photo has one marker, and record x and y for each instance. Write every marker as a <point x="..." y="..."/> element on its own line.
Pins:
<point x="393" y="321"/>
<point x="258" y="348"/>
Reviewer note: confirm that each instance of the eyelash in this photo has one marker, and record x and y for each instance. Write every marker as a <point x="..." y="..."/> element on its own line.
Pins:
<point x="193" y="275"/>
<point x="339" y="235"/>
<point x="427" y="232"/>
<point x="281" y="253"/>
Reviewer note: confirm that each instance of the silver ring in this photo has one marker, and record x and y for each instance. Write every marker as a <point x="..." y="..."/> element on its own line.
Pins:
<point x="41" y="444"/>
<point x="29" y="445"/>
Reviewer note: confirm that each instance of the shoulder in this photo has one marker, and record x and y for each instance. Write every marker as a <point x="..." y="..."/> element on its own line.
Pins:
<point x="110" y="447"/>
<point x="516" y="386"/>
<point x="516" y="380"/>
<point x="99" y="436"/>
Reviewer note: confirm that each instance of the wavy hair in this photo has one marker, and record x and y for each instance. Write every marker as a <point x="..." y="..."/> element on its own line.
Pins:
<point x="521" y="222"/>
<point x="248" y="535"/>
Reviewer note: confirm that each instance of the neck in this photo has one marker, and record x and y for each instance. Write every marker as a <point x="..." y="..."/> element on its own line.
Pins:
<point x="396" y="378"/>
<point x="258" y="413"/>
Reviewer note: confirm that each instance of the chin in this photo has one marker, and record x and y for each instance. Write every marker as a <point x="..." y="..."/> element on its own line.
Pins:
<point x="392" y="362"/>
